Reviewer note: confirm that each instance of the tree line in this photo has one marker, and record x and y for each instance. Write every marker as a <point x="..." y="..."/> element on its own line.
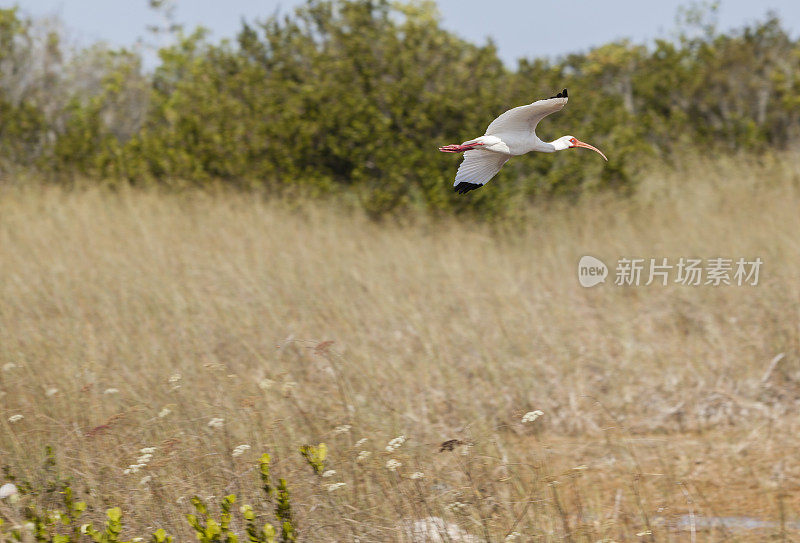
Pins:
<point x="353" y="97"/>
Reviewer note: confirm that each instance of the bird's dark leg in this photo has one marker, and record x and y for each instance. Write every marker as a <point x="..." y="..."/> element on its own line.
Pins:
<point x="459" y="148"/>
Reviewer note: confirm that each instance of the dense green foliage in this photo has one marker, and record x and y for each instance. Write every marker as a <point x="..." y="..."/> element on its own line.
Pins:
<point x="358" y="94"/>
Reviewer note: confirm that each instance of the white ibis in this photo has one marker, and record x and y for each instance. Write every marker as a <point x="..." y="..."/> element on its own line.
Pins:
<point x="511" y="134"/>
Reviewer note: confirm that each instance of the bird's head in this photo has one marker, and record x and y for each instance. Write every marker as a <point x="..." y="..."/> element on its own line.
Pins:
<point x="568" y="142"/>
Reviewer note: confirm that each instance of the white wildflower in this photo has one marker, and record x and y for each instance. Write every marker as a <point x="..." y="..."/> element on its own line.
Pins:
<point x="417" y="475"/>
<point x="216" y="422"/>
<point x="363" y="455"/>
<point x="361" y="441"/>
<point x="146" y="479"/>
<point x="392" y="464"/>
<point x="287" y="387"/>
<point x="266" y="384"/>
<point x="395" y="443"/>
<point x="329" y="473"/>
<point x="111" y="391"/>
<point x="240" y="449"/>
<point x="175" y="381"/>
<point x="15" y="418"/>
<point x="343" y="429"/>
<point x="531" y="416"/>
<point x="513" y="536"/>
<point x="8" y="490"/>
<point x="52" y="391"/>
<point x="133" y="468"/>
<point x="137" y="539"/>
<point x="164" y="412"/>
<point x="147" y="450"/>
<point x="144" y="459"/>
<point x="8" y="366"/>
<point x="335" y="486"/>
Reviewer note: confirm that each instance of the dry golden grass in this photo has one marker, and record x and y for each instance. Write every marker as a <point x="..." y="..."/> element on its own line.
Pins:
<point x="289" y="323"/>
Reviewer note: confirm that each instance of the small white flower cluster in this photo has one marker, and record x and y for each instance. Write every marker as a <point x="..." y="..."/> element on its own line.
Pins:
<point x="111" y="391"/>
<point x="52" y="391"/>
<point x="145" y="458"/>
<point x="395" y="444"/>
<point x="8" y="366"/>
<point x="266" y="384"/>
<point x="392" y="464"/>
<point x="216" y="422"/>
<point x="531" y="416"/>
<point x="361" y="441"/>
<point x="164" y="412"/>
<point x="363" y="455"/>
<point x="15" y="418"/>
<point x="329" y="473"/>
<point x="335" y="486"/>
<point x="145" y="455"/>
<point x="240" y="449"/>
<point x="343" y="429"/>
<point x="8" y="490"/>
<point x="513" y="536"/>
<point x="146" y="479"/>
<point x="417" y="475"/>
<point x="175" y="381"/>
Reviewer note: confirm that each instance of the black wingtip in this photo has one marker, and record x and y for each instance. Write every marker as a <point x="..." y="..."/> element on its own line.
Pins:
<point x="462" y="188"/>
<point x="562" y="94"/>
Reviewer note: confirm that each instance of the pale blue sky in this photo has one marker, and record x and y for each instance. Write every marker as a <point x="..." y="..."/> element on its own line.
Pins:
<point x="531" y="28"/>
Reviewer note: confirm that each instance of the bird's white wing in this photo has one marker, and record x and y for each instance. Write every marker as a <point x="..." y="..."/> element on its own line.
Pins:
<point x="477" y="169"/>
<point x="525" y="118"/>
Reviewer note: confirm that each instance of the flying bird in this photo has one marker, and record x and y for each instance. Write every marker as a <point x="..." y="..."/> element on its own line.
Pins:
<point x="511" y="134"/>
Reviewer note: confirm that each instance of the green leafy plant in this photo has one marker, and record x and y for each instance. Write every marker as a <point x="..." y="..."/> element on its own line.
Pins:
<point x="207" y="528"/>
<point x="63" y="525"/>
<point x="265" y="534"/>
<point x="283" y="510"/>
<point x="315" y="456"/>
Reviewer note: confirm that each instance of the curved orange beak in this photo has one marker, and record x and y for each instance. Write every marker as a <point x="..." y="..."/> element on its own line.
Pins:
<point x="579" y="143"/>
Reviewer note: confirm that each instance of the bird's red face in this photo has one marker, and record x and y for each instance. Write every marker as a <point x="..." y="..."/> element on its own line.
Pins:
<point x="575" y="142"/>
